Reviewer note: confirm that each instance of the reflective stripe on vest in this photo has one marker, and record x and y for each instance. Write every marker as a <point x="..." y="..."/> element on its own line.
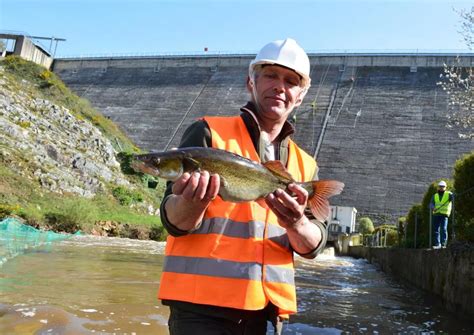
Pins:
<point x="227" y="269"/>
<point x="443" y="206"/>
<point x="239" y="257"/>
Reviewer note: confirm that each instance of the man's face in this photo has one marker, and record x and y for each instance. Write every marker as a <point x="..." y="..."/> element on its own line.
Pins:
<point x="277" y="91"/>
<point x="441" y="188"/>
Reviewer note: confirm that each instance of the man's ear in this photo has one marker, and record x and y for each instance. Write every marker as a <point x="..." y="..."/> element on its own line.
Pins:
<point x="300" y="97"/>
<point x="249" y="84"/>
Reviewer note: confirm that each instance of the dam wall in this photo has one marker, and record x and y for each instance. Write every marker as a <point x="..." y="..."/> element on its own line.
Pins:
<point x="375" y="122"/>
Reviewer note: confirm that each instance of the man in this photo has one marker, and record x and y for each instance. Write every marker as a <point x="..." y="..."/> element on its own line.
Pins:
<point x="441" y="204"/>
<point x="228" y="266"/>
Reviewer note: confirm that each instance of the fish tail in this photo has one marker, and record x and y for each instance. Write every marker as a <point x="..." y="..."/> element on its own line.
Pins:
<point x="318" y="201"/>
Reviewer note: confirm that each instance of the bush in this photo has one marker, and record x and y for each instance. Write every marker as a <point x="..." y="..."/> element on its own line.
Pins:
<point x="392" y="237"/>
<point x="73" y="215"/>
<point x="366" y="226"/>
<point x="7" y="210"/>
<point x="125" y="159"/>
<point x="158" y="233"/>
<point x="388" y="233"/>
<point x="126" y="197"/>
<point x="402" y="221"/>
<point x="464" y="197"/>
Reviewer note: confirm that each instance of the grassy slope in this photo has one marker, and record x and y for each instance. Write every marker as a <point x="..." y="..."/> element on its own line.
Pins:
<point x="22" y="195"/>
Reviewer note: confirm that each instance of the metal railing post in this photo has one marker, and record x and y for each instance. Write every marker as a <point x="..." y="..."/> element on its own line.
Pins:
<point x="416" y="228"/>
<point x="453" y="232"/>
<point x="405" y="233"/>
<point x="431" y="230"/>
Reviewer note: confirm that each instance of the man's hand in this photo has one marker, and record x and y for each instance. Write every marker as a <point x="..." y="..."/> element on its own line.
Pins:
<point x="304" y="236"/>
<point x="192" y="194"/>
<point x="197" y="188"/>
<point x="289" y="209"/>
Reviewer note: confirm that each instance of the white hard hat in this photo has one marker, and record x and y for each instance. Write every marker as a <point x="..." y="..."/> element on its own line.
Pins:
<point x="442" y="183"/>
<point x="286" y="53"/>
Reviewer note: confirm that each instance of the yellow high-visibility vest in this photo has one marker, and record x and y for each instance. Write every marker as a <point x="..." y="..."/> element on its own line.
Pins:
<point x="442" y="206"/>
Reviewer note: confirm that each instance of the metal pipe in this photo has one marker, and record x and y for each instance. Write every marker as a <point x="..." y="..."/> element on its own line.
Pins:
<point x="431" y="230"/>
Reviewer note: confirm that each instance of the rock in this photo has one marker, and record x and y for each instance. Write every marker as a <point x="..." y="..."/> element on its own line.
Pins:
<point x="66" y="154"/>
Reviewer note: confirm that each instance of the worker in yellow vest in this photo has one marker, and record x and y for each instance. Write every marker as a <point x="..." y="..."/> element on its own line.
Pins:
<point x="228" y="267"/>
<point x="441" y="205"/>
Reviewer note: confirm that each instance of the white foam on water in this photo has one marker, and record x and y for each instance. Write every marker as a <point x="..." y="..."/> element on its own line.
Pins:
<point x="90" y="310"/>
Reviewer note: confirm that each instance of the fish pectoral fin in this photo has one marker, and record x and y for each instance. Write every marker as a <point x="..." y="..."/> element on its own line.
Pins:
<point x="278" y="169"/>
<point x="224" y="183"/>
<point x="190" y="164"/>
<point x="322" y="190"/>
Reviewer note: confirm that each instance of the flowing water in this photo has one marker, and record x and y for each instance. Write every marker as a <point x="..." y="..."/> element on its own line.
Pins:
<point x="108" y="286"/>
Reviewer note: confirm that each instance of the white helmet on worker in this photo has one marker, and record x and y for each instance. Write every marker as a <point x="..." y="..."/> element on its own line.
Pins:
<point x="442" y="183"/>
<point x="286" y="53"/>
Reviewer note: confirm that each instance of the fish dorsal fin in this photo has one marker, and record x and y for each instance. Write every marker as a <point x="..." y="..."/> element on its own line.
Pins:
<point x="190" y="164"/>
<point x="278" y="169"/>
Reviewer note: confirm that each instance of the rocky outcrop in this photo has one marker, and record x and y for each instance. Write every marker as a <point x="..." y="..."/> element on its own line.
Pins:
<point x="47" y="143"/>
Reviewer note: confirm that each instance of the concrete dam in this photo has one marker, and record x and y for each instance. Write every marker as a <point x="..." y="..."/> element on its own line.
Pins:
<point x="375" y="122"/>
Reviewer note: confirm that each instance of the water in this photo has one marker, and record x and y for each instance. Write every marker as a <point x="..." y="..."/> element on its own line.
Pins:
<point x="107" y="285"/>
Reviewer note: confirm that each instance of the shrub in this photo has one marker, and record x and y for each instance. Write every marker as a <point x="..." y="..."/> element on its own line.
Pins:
<point x="366" y="226"/>
<point x="158" y="233"/>
<point x="401" y="229"/>
<point x="125" y="159"/>
<point x="24" y="124"/>
<point x="7" y="210"/>
<point x="389" y="234"/>
<point x="464" y="197"/>
<point x="125" y="196"/>
<point x="72" y="215"/>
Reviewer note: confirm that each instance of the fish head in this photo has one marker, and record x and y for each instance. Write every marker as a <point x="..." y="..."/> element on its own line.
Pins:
<point x="169" y="167"/>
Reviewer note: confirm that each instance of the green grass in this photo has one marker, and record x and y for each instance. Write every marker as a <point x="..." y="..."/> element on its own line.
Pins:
<point x="21" y="194"/>
<point x="24" y="198"/>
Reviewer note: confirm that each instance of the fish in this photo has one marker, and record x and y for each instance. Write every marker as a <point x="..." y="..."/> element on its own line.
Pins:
<point x="241" y="178"/>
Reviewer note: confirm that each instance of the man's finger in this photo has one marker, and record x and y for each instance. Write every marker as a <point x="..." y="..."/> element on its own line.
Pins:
<point x="180" y="184"/>
<point x="191" y="186"/>
<point x="213" y="187"/>
<point x="202" y="186"/>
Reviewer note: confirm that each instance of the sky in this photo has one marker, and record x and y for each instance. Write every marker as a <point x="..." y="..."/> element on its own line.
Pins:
<point x="134" y="27"/>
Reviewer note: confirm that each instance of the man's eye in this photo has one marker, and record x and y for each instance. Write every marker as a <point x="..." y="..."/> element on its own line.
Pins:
<point x="292" y="82"/>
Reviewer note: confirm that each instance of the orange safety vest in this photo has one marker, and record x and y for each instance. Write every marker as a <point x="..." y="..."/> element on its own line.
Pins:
<point x="240" y="257"/>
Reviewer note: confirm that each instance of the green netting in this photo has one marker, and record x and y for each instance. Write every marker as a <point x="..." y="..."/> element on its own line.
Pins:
<point x="16" y="238"/>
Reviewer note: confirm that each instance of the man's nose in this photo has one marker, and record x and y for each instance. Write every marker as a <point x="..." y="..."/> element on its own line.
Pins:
<point x="279" y="86"/>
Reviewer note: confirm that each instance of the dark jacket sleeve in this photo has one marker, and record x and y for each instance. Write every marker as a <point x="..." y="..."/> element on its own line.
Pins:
<point x="197" y="134"/>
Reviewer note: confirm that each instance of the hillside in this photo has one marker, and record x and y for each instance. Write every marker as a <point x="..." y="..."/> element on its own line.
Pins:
<point x="59" y="160"/>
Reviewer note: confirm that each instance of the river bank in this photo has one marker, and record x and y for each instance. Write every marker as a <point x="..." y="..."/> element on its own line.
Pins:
<point x="446" y="273"/>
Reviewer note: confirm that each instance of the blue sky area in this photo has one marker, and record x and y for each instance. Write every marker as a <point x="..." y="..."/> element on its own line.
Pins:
<point x="97" y="27"/>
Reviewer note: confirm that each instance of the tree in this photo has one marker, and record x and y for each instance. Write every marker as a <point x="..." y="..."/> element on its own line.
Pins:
<point x="464" y="197"/>
<point x="2" y="46"/>
<point x="458" y="83"/>
<point x="366" y="226"/>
